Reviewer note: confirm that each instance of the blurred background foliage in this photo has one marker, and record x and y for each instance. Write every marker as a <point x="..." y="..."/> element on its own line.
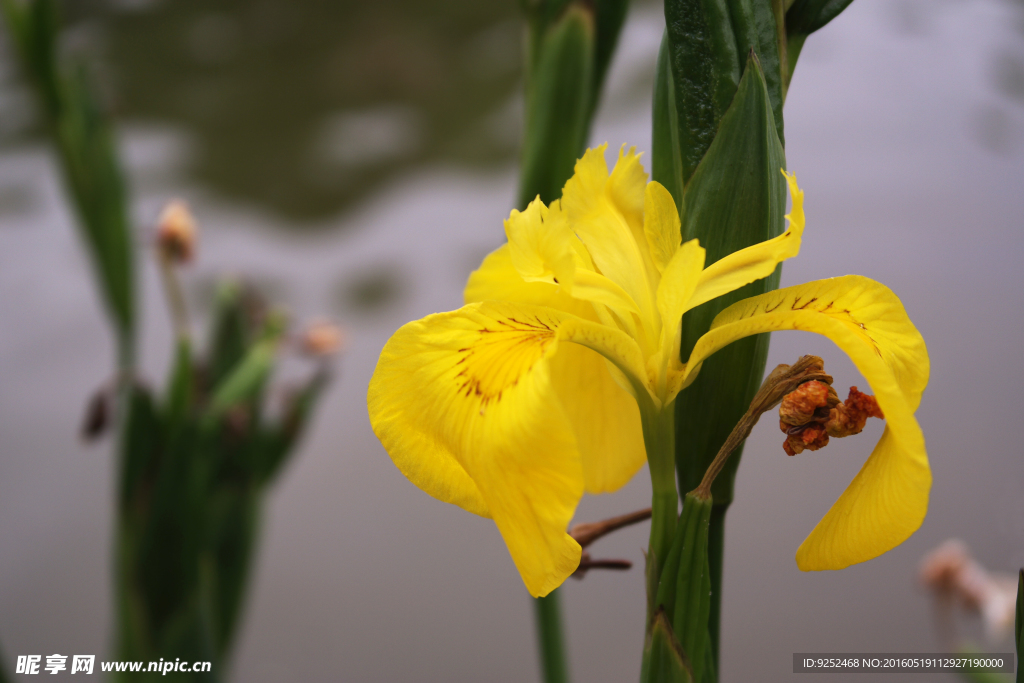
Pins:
<point x="303" y="106"/>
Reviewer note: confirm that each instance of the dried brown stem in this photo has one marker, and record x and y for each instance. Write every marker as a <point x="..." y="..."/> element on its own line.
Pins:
<point x="588" y="532"/>
<point x="782" y="380"/>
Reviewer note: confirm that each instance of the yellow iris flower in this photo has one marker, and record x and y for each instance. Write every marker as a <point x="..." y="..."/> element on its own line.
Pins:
<point x="541" y="386"/>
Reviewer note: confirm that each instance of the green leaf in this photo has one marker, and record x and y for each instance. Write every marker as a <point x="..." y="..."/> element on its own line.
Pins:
<point x="181" y="387"/>
<point x="278" y="441"/>
<point x="140" y="443"/>
<point x="664" y="660"/>
<point x="230" y="333"/>
<point x="693" y="583"/>
<point x="559" y="94"/>
<point x="667" y="161"/>
<point x="708" y="46"/>
<point x="735" y="199"/>
<point x="684" y="591"/>
<point x="246" y="381"/>
<point x="84" y="139"/>
<point x="804" y="17"/>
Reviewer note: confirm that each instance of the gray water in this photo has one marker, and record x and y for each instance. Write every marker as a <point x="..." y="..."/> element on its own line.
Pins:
<point x="905" y="125"/>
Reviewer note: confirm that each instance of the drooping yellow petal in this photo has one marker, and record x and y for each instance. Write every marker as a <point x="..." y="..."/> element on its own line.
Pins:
<point x="463" y="403"/>
<point x="888" y="499"/>
<point x="757" y="261"/>
<point x="604" y="416"/>
<point x="540" y="244"/>
<point x="603" y="211"/>
<point x="596" y="398"/>
<point x="661" y="224"/>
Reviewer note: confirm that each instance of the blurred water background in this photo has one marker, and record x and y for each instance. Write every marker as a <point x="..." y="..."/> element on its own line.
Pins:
<point x="356" y="160"/>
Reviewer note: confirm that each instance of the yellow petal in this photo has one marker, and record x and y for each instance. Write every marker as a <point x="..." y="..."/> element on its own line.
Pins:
<point x="540" y="244"/>
<point x="463" y="403"/>
<point x="661" y="224"/>
<point x="888" y="499"/>
<point x="755" y="262"/>
<point x="605" y="418"/>
<point x="592" y="294"/>
<point x="675" y="291"/>
<point x="606" y="212"/>
<point x="498" y="280"/>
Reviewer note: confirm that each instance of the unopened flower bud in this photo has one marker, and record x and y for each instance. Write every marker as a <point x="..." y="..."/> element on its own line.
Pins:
<point x="322" y="338"/>
<point x="176" y="232"/>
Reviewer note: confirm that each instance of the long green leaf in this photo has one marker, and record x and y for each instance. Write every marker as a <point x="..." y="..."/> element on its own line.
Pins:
<point x="559" y="94"/>
<point x="708" y="46"/>
<point x="693" y="584"/>
<point x="735" y="199"/>
<point x="664" y="660"/>
<point x="84" y="139"/>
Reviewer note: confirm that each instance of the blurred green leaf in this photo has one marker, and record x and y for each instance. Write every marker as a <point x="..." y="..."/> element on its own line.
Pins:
<point x="570" y="47"/>
<point x="667" y="162"/>
<point x="181" y="385"/>
<point x="278" y="441"/>
<point x="230" y="333"/>
<point x="139" y="445"/>
<point x="735" y="199"/>
<point x="92" y="174"/>
<point x="246" y="381"/>
<point x="558" y="99"/>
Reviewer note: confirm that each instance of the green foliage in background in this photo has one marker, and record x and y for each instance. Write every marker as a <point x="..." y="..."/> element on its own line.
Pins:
<point x="302" y="108"/>
<point x="569" y="48"/>
<point x="196" y="463"/>
<point x="195" y="459"/>
<point x="84" y="142"/>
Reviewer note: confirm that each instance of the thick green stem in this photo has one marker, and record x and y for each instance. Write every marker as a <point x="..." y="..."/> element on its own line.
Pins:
<point x="549" y="637"/>
<point x="659" y="440"/>
<point x="716" y="554"/>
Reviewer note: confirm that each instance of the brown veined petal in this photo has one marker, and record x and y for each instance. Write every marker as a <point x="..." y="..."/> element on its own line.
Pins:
<point x="888" y="499"/>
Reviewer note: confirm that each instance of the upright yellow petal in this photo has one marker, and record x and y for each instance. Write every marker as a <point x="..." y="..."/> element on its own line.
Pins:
<point x="661" y="224"/>
<point x="498" y="280"/>
<point x="757" y="261"/>
<point x="677" y="286"/>
<point x="602" y="211"/>
<point x="463" y="403"/>
<point x="540" y="244"/>
<point x="888" y="499"/>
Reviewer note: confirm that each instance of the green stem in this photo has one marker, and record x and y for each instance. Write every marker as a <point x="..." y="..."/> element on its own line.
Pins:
<point x="659" y="441"/>
<point x="716" y="554"/>
<point x="549" y="637"/>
